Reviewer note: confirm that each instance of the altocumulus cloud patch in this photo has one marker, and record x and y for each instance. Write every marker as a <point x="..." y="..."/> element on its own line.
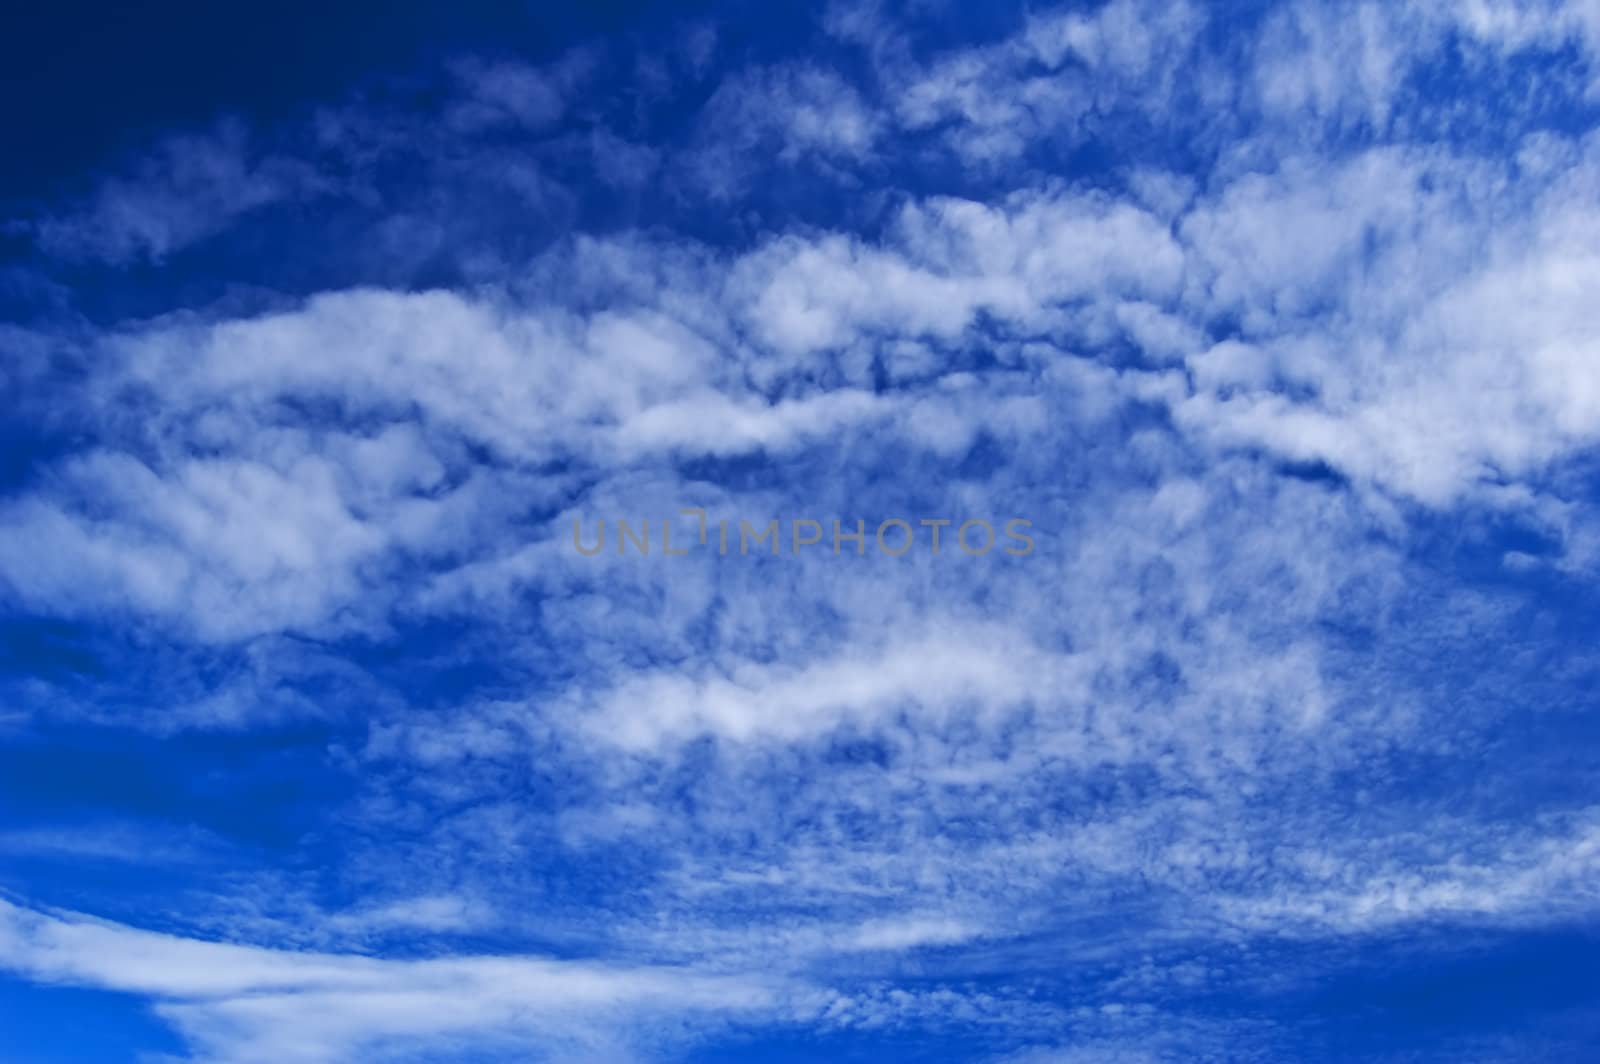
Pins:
<point x="470" y="538"/>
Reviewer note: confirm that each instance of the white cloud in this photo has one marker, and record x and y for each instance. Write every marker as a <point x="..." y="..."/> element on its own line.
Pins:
<point x="953" y="666"/>
<point x="1396" y="327"/>
<point x="1510" y="880"/>
<point x="187" y="189"/>
<point x="791" y="114"/>
<point x="245" y="1003"/>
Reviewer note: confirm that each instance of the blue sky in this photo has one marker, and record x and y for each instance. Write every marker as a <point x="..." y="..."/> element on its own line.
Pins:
<point x="320" y="741"/>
